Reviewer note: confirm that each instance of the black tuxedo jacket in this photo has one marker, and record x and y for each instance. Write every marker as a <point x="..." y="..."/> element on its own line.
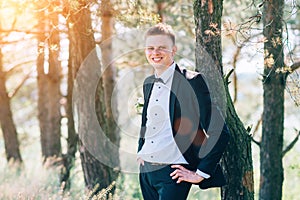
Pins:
<point x="198" y="127"/>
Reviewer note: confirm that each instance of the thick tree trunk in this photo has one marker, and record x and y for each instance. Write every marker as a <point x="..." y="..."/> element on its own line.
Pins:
<point x="42" y="85"/>
<point x="82" y="42"/>
<point x="72" y="140"/>
<point x="108" y="68"/>
<point x="237" y="160"/>
<point x="108" y="77"/>
<point x="49" y="90"/>
<point x="54" y="80"/>
<point x="8" y="127"/>
<point x="43" y="111"/>
<point x="271" y="168"/>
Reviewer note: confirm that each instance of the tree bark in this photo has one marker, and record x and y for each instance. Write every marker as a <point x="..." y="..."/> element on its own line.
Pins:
<point x="237" y="159"/>
<point x="108" y="68"/>
<point x="54" y="80"/>
<point x="72" y="140"/>
<point x="108" y="76"/>
<point x="271" y="168"/>
<point x="96" y="174"/>
<point x="49" y="88"/>
<point x="43" y="111"/>
<point x="12" y="149"/>
<point x="81" y="43"/>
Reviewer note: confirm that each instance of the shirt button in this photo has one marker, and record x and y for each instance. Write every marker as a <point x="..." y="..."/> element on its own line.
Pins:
<point x="152" y="142"/>
<point x="154" y="128"/>
<point x="156" y="99"/>
<point x="151" y="156"/>
<point x="155" y="114"/>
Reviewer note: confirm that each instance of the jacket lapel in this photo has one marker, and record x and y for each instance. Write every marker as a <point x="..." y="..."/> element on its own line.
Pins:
<point x="174" y="91"/>
<point x="148" y="87"/>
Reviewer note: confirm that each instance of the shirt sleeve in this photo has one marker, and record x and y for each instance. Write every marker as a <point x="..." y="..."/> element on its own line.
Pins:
<point x="204" y="175"/>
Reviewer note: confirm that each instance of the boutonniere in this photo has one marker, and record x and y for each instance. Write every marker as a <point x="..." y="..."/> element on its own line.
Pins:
<point x="139" y="105"/>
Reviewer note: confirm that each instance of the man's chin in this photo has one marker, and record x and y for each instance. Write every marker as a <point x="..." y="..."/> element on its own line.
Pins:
<point x="157" y="65"/>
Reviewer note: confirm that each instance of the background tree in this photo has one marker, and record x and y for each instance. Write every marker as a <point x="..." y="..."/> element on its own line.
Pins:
<point x="271" y="146"/>
<point x="109" y="68"/>
<point x="12" y="149"/>
<point x="9" y="130"/>
<point x="96" y="174"/>
<point x="237" y="160"/>
<point x="49" y="75"/>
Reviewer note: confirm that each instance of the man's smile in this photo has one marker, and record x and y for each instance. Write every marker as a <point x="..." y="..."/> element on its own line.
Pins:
<point x="157" y="59"/>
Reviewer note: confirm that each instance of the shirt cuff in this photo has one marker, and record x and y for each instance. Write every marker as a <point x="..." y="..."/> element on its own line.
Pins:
<point x="204" y="175"/>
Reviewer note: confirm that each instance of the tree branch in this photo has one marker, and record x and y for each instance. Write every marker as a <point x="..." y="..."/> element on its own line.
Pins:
<point x="255" y="130"/>
<point x="14" y="67"/>
<point x="257" y="125"/>
<point x="227" y="76"/>
<point x="291" y="145"/>
<point x="295" y="66"/>
<point x="292" y="68"/>
<point x="12" y="94"/>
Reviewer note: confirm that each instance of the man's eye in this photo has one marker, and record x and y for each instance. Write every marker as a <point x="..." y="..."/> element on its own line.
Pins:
<point x="150" y="48"/>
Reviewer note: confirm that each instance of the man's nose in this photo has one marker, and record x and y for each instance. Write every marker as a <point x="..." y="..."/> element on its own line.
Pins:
<point x="156" y="51"/>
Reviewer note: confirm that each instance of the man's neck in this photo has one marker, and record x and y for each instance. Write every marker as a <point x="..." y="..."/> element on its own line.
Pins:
<point x="159" y="71"/>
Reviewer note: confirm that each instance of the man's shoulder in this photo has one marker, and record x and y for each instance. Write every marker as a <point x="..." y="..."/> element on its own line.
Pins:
<point x="196" y="79"/>
<point x="190" y="74"/>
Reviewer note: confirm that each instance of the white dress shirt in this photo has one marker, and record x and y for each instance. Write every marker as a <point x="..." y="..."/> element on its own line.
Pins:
<point x="160" y="146"/>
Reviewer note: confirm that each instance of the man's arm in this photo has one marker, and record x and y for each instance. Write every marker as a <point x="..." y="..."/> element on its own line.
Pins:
<point x="213" y="124"/>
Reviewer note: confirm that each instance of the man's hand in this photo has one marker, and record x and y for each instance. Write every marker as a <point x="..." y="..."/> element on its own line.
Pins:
<point x="140" y="161"/>
<point x="183" y="174"/>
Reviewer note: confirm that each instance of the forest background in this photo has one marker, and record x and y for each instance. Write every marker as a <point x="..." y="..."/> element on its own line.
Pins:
<point x="45" y="44"/>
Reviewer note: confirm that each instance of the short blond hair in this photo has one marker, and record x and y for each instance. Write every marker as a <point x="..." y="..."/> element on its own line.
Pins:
<point x="161" y="29"/>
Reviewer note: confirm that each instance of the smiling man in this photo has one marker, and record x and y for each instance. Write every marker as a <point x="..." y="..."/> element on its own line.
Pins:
<point x="178" y="122"/>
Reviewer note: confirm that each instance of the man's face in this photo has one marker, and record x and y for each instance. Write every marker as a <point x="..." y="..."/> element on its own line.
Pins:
<point x="160" y="51"/>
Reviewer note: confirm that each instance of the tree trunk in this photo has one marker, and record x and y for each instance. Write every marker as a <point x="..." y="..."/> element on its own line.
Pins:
<point x="54" y="79"/>
<point x="8" y="127"/>
<point x="96" y="174"/>
<point x="72" y="140"/>
<point x="108" y="69"/>
<point x="49" y="90"/>
<point x="108" y="76"/>
<point x="42" y="84"/>
<point x="271" y="168"/>
<point x="160" y="5"/>
<point x="237" y="159"/>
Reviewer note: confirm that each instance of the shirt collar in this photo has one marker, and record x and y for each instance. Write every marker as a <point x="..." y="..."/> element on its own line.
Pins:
<point x="166" y="75"/>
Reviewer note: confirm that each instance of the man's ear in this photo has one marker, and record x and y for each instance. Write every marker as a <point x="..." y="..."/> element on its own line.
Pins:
<point x="174" y="50"/>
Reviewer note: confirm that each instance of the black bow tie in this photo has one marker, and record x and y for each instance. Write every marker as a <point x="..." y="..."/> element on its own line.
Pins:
<point x="158" y="80"/>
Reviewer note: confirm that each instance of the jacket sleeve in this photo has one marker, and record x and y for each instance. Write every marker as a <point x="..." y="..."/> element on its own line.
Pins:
<point x="213" y="125"/>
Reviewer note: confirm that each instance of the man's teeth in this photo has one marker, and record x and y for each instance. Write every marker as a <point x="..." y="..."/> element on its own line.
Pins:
<point x="156" y="59"/>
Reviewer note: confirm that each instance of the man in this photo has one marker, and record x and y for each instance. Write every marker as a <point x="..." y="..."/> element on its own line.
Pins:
<point x="183" y="135"/>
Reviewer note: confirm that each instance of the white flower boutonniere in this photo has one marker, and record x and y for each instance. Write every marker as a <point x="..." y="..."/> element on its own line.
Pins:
<point x="139" y="105"/>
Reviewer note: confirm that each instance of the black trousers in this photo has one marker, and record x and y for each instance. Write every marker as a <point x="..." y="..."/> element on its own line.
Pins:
<point x="157" y="184"/>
